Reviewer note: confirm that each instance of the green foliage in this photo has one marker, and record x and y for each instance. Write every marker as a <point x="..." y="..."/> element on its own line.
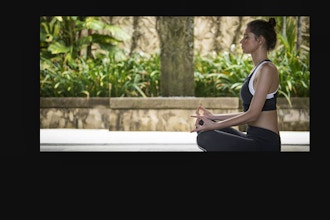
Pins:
<point x="67" y="71"/>
<point x="138" y="75"/>
<point x="293" y="64"/>
<point x="72" y="36"/>
<point x="220" y="76"/>
<point x="123" y="76"/>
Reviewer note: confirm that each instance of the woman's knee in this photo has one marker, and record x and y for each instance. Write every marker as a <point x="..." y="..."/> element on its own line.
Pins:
<point x="201" y="141"/>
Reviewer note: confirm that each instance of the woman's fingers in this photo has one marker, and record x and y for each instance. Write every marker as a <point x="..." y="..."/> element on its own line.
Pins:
<point x="197" y="121"/>
<point x="199" y="117"/>
<point x="197" y="110"/>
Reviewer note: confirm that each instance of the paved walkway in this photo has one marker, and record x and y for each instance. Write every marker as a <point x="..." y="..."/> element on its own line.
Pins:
<point x="82" y="140"/>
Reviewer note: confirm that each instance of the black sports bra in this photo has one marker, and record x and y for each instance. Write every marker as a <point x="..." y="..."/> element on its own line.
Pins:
<point x="247" y="92"/>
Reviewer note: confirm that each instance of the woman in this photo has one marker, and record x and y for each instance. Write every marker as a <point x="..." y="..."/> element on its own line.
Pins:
<point x="259" y="96"/>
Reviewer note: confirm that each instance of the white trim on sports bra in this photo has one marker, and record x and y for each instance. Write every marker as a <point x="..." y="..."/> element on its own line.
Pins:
<point x="269" y="95"/>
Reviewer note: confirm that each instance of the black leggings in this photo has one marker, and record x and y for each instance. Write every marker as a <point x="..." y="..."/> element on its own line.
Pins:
<point x="230" y="139"/>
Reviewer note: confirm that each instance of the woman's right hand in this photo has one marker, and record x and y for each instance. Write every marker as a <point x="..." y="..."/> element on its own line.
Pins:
<point x="206" y="124"/>
<point x="201" y="110"/>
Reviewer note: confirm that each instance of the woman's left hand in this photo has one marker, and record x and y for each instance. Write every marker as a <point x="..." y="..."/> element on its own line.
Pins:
<point x="205" y="126"/>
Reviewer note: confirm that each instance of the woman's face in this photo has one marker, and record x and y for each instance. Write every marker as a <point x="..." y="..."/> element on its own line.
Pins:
<point x="249" y="42"/>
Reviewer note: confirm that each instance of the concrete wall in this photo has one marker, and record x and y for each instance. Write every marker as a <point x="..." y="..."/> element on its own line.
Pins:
<point x="154" y="114"/>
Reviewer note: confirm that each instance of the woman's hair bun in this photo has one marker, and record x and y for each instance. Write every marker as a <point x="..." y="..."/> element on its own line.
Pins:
<point x="272" y="22"/>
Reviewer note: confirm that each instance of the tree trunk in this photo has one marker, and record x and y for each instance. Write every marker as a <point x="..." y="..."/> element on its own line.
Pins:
<point x="136" y="34"/>
<point x="176" y="36"/>
<point x="299" y="28"/>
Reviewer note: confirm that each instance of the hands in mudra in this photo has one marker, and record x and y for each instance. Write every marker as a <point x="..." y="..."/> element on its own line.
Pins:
<point x="203" y="119"/>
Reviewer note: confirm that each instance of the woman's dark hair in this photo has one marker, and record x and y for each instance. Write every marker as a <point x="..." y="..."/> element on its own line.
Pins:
<point x="266" y="29"/>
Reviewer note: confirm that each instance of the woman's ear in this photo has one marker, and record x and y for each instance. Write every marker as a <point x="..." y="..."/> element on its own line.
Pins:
<point x="261" y="40"/>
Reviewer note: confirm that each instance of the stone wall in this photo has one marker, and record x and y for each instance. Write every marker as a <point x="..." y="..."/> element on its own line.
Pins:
<point x="154" y="114"/>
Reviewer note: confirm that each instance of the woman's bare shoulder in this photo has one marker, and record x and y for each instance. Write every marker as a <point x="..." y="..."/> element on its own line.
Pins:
<point x="268" y="68"/>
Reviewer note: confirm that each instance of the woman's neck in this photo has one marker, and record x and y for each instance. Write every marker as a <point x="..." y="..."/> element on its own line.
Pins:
<point x="257" y="58"/>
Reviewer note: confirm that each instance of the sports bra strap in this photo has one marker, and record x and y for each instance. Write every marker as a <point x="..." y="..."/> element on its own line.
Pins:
<point x="269" y="95"/>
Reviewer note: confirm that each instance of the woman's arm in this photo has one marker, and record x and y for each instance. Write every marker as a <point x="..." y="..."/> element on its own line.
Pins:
<point x="221" y="117"/>
<point x="201" y="110"/>
<point x="262" y="86"/>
